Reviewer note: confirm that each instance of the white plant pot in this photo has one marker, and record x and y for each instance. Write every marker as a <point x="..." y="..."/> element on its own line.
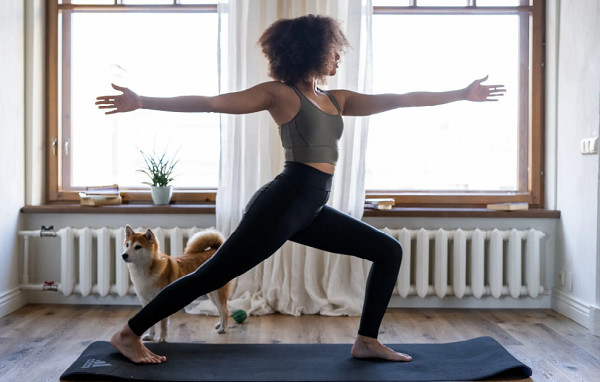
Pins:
<point x="161" y="195"/>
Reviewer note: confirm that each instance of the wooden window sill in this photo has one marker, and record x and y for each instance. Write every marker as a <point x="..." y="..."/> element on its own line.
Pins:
<point x="126" y="208"/>
<point x="461" y="212"/>
<point x="185" y="208"/>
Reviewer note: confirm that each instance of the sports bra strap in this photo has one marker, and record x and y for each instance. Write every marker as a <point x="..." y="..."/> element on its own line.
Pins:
<point x="295" y="89"/>
<point x="332" y="98"/>
<point x="303" y="97"/>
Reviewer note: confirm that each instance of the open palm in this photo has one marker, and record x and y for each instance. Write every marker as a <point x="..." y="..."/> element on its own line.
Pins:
<point x="477" y="92"/>
<point x="121" y="103"/>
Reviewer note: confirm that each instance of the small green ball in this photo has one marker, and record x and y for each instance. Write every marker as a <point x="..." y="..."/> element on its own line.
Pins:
<point x="239" y="316"/>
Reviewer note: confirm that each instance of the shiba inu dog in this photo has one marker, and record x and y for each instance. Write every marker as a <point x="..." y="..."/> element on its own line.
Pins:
<point x="151" y="270"/>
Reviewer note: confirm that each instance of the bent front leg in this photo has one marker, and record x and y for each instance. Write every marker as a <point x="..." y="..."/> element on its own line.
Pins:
<point x="334" y="231"/>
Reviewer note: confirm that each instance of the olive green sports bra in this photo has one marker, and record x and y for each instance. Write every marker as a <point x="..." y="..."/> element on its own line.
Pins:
<point x="312" y="135"/>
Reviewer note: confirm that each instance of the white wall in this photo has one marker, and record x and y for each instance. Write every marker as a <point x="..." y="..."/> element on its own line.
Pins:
<point x="577" y="117"/>
<point x="11" y="147"/>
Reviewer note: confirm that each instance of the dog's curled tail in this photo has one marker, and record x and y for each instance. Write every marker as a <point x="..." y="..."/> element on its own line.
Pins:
<point x="204" y="240"/>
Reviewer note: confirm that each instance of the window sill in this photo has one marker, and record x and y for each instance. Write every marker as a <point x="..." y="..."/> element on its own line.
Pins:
<point x="174" y="209"/>
<point x="128" y="208"/>
<point x="461" y="212"/>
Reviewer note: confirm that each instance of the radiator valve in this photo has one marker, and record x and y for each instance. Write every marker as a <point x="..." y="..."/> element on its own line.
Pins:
<point x="47" y="231"/>
<point x="50" y="286"/>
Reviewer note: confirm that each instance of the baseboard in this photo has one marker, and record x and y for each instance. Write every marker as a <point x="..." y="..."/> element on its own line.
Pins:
<point x="572" y="308"/>
<point x="11" y="300"/>
<point x="595" y="321"/>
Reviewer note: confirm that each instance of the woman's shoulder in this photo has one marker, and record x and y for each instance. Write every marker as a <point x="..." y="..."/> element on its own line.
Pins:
<point x="275" y="85"/>
<point x="278" y="90"/>
<point x="274" y="88"/>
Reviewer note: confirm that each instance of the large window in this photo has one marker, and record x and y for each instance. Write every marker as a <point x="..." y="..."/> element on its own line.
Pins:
<point x="451" y="155"/>
<point x="461" y="153"/>
<point x="158" y="48"/>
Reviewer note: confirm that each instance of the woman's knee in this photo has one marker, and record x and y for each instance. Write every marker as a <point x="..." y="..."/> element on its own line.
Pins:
<point x="391" y="251"/>
<point x="396" y="252"/>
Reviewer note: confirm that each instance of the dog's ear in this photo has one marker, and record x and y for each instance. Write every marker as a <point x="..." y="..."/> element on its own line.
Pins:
<point x="149" y="236"/>
<point x="128" y="231"/>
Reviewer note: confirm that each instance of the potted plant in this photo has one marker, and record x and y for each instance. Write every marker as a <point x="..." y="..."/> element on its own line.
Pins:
<point x="159" y="169"/>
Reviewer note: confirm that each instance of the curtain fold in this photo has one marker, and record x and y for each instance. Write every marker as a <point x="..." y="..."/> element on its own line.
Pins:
<point x="296" y="279"/>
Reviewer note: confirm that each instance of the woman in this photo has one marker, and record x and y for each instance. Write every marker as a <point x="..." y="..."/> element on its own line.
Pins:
<point x="301" y="53"/>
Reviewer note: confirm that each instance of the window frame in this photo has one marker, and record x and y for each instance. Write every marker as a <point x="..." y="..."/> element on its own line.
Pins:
<point x="531" y="125"/>
<point x="531" y="114"/>
<point x="58" y="122"/>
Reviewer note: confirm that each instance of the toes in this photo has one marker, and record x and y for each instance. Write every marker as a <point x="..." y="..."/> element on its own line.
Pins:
<point x="405" y="357"/>
<point x="152" y="355"/>
<point x="153" y="359"/>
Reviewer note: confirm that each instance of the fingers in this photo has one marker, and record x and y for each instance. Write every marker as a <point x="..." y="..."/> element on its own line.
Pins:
<point x="106" y="104"/>
<point x="496" y="87"/>
<point x="483" y="79"/>
<point x="494" y="94"/>
<point x="104" y="99"/>
<point x="108" y="101"/>
<point x="495" y="91"/>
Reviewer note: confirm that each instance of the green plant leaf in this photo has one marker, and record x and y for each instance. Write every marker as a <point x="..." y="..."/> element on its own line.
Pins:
<point x="159" y="168"/>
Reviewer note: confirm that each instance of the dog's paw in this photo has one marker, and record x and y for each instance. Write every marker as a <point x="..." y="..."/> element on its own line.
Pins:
<point x="220" y="327"/>
<point x="162" y="340"/>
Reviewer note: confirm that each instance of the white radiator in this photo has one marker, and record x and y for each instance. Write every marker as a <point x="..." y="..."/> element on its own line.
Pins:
<point x="441" y="262"/>
<point x="469" y="262"/>
<point x="90" y="258"/>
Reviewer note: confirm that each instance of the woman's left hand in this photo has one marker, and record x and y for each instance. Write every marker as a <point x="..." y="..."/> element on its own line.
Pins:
<point x="477" y="92"/>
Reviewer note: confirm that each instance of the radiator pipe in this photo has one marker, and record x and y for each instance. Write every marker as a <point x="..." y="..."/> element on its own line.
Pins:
<point x="26" y="260"/>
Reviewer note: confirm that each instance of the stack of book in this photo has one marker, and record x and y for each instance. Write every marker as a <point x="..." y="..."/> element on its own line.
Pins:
<point x="508" y="206"/>
<point x="100" y="196"/>
<point x="380" y="203"/>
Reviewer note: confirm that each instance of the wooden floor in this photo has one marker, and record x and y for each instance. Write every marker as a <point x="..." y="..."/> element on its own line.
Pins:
<point x="39" y="342"/>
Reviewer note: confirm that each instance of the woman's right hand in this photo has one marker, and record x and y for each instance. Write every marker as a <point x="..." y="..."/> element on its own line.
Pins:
<point x="120" y="103"/>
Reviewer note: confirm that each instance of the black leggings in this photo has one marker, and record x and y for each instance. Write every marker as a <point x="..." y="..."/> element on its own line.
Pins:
<point x="291" y="207"/>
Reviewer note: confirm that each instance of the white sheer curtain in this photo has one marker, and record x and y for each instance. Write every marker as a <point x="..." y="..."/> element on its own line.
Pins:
<point x="296" y="279"/>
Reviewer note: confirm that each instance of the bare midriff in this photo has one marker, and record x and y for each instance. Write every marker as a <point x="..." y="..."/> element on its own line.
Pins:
<point x="325" y="167"/>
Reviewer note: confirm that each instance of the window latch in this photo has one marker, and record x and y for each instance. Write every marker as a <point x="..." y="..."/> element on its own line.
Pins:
<point x="54" y="145"/>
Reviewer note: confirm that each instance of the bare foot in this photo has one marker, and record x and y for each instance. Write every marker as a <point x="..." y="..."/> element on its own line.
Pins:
<point x="367" y="347"/>
<point x="131" y="346"/>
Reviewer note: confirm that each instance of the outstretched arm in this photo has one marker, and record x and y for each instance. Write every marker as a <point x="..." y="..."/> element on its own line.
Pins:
<point x="358" y="104"/>
<point x="251" y="100"/>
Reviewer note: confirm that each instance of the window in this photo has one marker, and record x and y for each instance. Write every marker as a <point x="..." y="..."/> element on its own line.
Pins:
<point x="156" y="48"/>
<point x="461" y="153"/>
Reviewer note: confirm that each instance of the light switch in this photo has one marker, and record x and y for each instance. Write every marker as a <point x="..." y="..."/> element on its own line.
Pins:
<point x="589" y="146"/>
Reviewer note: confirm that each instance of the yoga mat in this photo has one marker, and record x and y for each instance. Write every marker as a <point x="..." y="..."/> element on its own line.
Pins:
<point x="478" y="358"/>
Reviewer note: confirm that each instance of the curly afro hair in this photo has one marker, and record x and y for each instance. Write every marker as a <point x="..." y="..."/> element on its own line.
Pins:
<point x="299" y="49"/>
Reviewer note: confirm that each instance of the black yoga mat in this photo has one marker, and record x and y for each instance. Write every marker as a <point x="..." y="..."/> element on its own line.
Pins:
<point x="478" y="358"/>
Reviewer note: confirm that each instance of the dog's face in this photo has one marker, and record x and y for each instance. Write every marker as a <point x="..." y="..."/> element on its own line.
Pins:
<point x="139" y="248"/>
